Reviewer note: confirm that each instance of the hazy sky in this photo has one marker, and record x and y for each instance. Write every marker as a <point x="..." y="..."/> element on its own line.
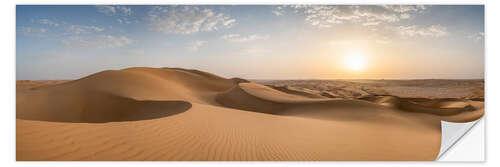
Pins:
<point x="254" y="42"/>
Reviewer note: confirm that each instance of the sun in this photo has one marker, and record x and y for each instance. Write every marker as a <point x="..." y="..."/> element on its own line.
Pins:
<point x="355" y="60"/>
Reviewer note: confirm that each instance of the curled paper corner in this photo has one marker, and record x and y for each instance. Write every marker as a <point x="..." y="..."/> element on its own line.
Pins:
<point x="451" y="133"/>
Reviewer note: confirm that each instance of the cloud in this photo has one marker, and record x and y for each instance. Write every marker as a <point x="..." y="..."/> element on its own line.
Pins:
<point x="101" y="41"/>
<point x="34" y="32"/>
<point x="122" y="12"/>
<point x="114" y="41"/>
<point x="476" y="37"/>
<point x="114" y="10"/>
<point x="76" y="42"/>
<point x="127" y="11"/>
<point x="278" y="11"/>
<point x="241" y="38"/>
<point x="325" y="16"/>
<point x="405" y="16"/>
<point x="371" y="23"/>
<point x="404" y="8"/>
<point x="80" y="29"/>
<point x="124" y="21"/>
<point x="187" y="19"/>
<point x="46" y="22"/>
<point x="431" y="31"/>
<point x="108" y="10"/>
<point x="195" y="45"/>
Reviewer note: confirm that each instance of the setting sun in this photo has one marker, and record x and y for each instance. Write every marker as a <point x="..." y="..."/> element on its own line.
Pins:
<point x="355" y="60"/>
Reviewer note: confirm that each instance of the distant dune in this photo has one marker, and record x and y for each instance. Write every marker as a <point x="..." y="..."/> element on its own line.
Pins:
<point x="173" y="114"/>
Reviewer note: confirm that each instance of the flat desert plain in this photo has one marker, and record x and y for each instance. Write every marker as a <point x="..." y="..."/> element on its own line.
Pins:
<point x="173" y="114"/>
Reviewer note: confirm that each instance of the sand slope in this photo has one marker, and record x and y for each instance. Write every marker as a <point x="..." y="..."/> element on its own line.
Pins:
<point x="179" y="114"/>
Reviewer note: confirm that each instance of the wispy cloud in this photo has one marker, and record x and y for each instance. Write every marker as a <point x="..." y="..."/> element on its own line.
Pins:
<point x="101" y="41"/>
<point x="114" y="41"/>
<point x="327" y="15"/>
<point x="476" y="37"/>
<point x="195" y="45"/>
<point x="187" y="19"/>
<point x="414" y="30"/>
<point x="278" y="11"/>
<point x="40" y="27"/>
<point x="114" y="10"/>
<point x="33" y="32"/>
<point x="123" y="13"/>
<point x="46" y="21"/>
<point x="404" y="8"/>
<point x="81" y="29"/>
<point x="243" y="38"/>
<point x="404" y="16"/>
<point x="125" y="20"/>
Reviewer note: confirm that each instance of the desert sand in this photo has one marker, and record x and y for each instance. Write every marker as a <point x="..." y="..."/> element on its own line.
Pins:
<point x="172" y="114"/>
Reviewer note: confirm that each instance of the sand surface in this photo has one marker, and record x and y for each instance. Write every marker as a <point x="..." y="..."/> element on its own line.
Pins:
<point x="172" y="114"/>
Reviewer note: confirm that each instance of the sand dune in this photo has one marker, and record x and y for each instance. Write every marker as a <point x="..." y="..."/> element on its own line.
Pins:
<point x="294" y="91"/>
<point x="178" y="114"/>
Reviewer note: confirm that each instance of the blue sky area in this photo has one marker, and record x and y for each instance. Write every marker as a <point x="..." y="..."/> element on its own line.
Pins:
<point x="254" y="42"/>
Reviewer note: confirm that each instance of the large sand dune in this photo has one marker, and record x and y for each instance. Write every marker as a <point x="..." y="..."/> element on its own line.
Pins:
<point x="178" y="114"/>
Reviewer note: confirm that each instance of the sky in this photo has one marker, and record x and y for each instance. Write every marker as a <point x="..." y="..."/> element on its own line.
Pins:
<point x="253" y="42"/>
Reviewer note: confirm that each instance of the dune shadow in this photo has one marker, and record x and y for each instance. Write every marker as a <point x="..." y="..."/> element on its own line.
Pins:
<point x="103" y="108"/>
<point x="441" y="106"/>
<point x="140" y="110"/>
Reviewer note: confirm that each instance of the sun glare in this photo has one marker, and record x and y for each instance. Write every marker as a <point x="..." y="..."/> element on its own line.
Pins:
<point x="355" y="60"/>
